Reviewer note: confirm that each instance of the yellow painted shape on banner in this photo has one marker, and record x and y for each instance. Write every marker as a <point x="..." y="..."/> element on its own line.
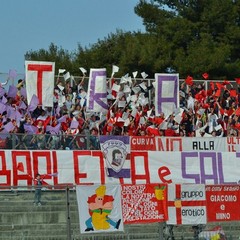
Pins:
<point x="159" y="192"/>
<point x="178" y="203"/>
<point x="216" y="237"/>
<point x="99" y="221"/>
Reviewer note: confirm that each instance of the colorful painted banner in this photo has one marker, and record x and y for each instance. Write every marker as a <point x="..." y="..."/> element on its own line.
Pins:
<point x="99" y="208"/>
<point x="88" y="167"/>
<point x="223" y="203"/>
<point x="40" y="81"/>
<point x="144" y="203"/>
<point x="173" y="144"/>
<point x="116" y="150"/>
<point x="166" y="93"/>
<point x="187" y="204"/>
<point x="97" y="91"/>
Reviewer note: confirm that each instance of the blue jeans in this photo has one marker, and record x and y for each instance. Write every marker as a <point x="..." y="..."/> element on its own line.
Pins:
<point x="37" y="197"/>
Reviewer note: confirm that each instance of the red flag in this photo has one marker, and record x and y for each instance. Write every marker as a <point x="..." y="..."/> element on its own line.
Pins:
<point x="212" y="85"/>
<point x="233" y="93"/>
<point x="219" y="85"/>
<point x="20" y="167"/>
<point x="218" y="93"/>
<point x="205" y="75"/>
<point x="226" y="82"/>
<point x="237" y="112"/>
<point x="237" y="80"/>
<point x="189" y="80"/>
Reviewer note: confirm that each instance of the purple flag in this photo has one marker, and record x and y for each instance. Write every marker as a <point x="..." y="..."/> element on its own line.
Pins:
<point x="12" y="73"/>
<point x="11" y="112"/>
<point x="23" y="92"/>
<point x="53" y="174"/>
<point x="33" y="103"/>
<point x="2" y="91"/>
<point x="12" y="91"/>
<point x="2" y="107"/>
<point x="22" y="105"/>
<point x="62" y="119"/>
<point x="54" y="130"/>
<point x="18" y="116"/>
<point x="9" y="127"/>
<point x="74" y="124"/>
<point x="30" y="128"/>
<point x="4" y="100"/>
<point x="57" y="110"/>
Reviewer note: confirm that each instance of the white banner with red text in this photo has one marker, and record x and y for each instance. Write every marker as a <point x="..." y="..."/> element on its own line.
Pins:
<point x="100" y="208"/>
<point x="173" y="144"/>
<point x="18" y="168"/>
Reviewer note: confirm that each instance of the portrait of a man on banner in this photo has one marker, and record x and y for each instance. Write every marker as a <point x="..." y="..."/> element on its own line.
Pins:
<point x="115" y="151"/>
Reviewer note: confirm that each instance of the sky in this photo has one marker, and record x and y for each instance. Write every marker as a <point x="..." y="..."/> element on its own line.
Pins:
<point x="31" y="25"/>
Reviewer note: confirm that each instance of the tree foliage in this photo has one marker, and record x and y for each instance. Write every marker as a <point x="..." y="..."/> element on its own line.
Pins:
<point x="185" y="36"/>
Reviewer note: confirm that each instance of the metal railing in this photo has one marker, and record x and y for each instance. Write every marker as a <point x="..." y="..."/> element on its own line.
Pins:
<point x="49" y="142"/>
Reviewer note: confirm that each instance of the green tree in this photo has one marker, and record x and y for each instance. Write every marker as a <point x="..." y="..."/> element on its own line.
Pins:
<point x="201" y="35"/>
<point x="62" y="58"/>
<point x="185" y="36"/>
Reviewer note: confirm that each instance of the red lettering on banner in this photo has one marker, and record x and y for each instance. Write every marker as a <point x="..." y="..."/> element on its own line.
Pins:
<point x="102" y="168"/>
<point x="169" y="144"/>
<point x="134" y="163"/>
<point x="47" y="157"/>
<point x="77" y="174"/>
<point x="4" y="172"/>
<point x="39" y="68"/>
<point x="162" y="173"/>
<point x="26" y="174"/>
<point x="55" y="167"/>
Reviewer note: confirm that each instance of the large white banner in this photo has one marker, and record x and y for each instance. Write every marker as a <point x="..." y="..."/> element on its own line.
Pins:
<point x="97" y="91"/>
<point x="166" y="93"/>
<point x="99" y="208"/>
<point x="186" y="144"/>
<point x="40" y="81"/>
<point x="88" y="167"/>
<point x="187" y="204"/>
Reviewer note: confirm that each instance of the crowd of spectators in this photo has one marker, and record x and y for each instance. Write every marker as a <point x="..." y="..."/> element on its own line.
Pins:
<point x="205" y="111"/>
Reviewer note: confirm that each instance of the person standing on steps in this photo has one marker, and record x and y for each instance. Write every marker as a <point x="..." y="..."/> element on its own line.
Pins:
<point x="38" y="181"/>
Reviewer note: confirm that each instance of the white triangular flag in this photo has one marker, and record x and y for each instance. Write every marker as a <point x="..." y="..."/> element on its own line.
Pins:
<point x="114" y="69"/>
<point x="135" y="74"/>
<point x="60" y="87"/>
<point x="116" y="87"/>
<point x="127" y="122"/>
<point x="149" y="112"/>
<point x="60" y="71"/>
<point x="144" y="75"/>
<point x="66" y="76"/>
<point x="143" y="86"/>
<point x="126" y="89"/>
<point x="83" y="70"/>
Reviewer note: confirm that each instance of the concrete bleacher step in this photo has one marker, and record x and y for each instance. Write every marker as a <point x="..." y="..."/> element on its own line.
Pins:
<point x="19" y="219"/>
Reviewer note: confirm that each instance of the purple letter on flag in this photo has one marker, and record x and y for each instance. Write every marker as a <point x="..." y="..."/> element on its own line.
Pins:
<point x="167" y="93"/>
<point x="97" y="91"/>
